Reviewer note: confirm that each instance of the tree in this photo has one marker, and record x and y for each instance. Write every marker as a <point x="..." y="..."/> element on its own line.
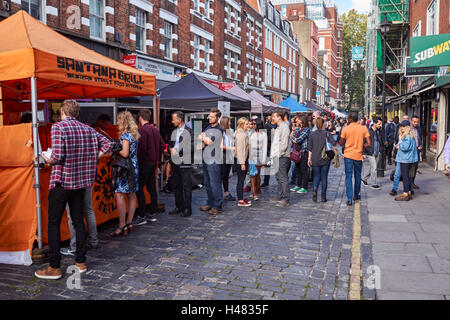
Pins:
<point x="353" y="72"/>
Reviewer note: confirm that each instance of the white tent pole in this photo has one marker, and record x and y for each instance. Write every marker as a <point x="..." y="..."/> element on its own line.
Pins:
<point x="37" y="177"/>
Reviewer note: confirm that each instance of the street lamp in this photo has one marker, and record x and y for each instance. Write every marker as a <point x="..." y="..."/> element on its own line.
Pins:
<point x="385" y="26"/>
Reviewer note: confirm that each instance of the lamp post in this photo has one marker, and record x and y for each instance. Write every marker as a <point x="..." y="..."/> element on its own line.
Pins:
<point x="385" y="26"/>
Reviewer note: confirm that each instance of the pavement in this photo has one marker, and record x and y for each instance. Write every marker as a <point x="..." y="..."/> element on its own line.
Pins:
<point x="308" y="251"/>
<point x="411" y="240"/>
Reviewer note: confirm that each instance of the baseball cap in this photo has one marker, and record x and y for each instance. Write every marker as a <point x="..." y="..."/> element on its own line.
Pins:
<point x="405" y="123"/>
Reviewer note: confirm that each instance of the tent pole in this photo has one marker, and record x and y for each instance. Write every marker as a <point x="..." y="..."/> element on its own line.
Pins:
<point x="37" y="177"/>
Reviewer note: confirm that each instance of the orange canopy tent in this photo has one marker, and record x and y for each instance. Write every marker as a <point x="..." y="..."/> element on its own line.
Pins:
<point x="38" y="62"/>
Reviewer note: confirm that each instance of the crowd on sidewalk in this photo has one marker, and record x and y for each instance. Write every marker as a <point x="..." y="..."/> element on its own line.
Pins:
<point x="257" y="150"/>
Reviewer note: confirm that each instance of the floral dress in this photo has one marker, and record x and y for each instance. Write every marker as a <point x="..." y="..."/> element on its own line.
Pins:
<point x="122" y="184"/>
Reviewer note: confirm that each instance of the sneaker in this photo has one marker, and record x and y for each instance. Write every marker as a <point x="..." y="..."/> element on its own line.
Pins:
<point x="150" y="218"/>
<point x="393" y="192"/>
<point x="256" y="198"/>
<point x="229" y="197"/>
<point x="296" y="189"/>
<point x="49" y="273"/>
<point x="214" y="212"/>
<point x="82" y="268"/>
<point x="138" y="221"/>
<point x="67" y="251"/>
<point x="282" y="204"/>
<point x="92" y="246"/>
<point x="376" y="187"/>
<point x="244" y="203"/>
<point x="302" y="191"/>
<point x="264" y="185"/>
<point x="364" y="182"/>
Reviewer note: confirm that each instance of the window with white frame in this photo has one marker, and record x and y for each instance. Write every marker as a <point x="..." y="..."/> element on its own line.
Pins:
<point x="432" y="19"/>
<point x="141" y="19"/>
<point x="418" y="29"/>
<point x="293" y="80"/>
<point x="97" y="18"/>
<point x="197" y="5"/>
<point x="283" y="49"/>
<point x="290" y="80"/>
<point x="168" y="30"/>
<point x="228" y="11"/>
<point x="321" y="43"/>
<point x="33" y="8"/>
<point x="258" y="74"/>
<point x="249" y="72"/>
<point x="196" y="52"/>
<point x="300" y="93"/>
<point x="229" y="63"/>
<point x="276" y="75"/>
<point x="276" y="45"/>
<point x="207" y="7"/>
<point x="207" y="55"/>
<point x="236" y="65"/>
<point x="301" y="70"/>
<point x="268" y="73"/>
<point x="283" y="78"/>
<point x="269" y="39"/>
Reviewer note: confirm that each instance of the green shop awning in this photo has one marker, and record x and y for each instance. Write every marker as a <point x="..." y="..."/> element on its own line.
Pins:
<point x="430" y="51"/>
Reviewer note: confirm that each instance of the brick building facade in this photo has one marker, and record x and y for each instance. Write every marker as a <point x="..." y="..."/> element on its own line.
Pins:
<point x="217" y="39"/>
<point x="325" y="16"/>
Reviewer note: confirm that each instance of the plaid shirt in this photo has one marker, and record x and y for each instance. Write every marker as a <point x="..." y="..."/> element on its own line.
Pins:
<point x="75" y="148"/>
<point x="302" y="137"/>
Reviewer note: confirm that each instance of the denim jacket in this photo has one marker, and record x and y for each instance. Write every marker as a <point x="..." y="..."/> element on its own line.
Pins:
<point x="407" y="151"/>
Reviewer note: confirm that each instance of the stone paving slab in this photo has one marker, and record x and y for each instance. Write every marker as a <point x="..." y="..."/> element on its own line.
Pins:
<point x="410" y="240"/>
<point x="261" y="252"/>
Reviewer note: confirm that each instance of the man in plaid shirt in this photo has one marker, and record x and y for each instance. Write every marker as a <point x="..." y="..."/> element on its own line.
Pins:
<point x="76" y="148"/>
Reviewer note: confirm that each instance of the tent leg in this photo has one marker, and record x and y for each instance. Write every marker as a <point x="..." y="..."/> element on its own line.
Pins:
<point x="37" y="177"/>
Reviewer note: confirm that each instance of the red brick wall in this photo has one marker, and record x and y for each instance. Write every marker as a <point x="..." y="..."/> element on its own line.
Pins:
<point x="418" y="11"/>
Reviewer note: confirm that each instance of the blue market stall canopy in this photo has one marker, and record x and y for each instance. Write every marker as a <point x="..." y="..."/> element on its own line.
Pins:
<point x="294" y="106"/>
<point x="195" y="94"/>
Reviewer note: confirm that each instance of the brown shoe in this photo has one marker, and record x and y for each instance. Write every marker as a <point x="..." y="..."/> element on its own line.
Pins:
<point x="214" y="212"/>
<point x="49" y="273"/>
<point x="403" y="197"/>
<point x="205" y="208"/>
<point x="82" y="268"/>
<point x="416" y="187"/>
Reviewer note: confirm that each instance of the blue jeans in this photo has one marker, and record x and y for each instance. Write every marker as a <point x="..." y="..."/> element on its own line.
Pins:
<point x="293" y="173"/>
<point x="321" y="175"/>
<point x="213" y="181"/>
<point x="352" y="167"/>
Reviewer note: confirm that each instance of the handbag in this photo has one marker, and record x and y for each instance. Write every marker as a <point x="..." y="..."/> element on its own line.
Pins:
<point x="296" y="155"/>
<point x="253" y="171"/>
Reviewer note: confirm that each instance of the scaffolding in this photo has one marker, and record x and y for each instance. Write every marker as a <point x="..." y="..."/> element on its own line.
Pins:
<point x="397" y="42"/>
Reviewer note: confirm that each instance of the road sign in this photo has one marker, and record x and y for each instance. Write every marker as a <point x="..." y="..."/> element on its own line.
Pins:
<point x="357" y="53"/>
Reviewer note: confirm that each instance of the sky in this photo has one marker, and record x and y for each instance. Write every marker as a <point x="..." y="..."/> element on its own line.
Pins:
<point x="362" y="6"/>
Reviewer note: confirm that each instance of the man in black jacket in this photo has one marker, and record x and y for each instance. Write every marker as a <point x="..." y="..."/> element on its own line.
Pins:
<point x="373" y="152"/>
<point x="389" y="138"/>
<point x="181" y="147"/>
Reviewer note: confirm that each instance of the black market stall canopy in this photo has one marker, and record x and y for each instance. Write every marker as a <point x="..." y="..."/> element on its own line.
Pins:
<point x="192" y="93"/>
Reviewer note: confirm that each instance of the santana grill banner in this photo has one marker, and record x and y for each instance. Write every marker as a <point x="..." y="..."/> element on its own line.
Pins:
<point x="430" y="51"/>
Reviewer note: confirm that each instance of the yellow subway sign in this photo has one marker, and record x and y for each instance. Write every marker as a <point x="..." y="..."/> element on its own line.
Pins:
<point x="430" y="51"/>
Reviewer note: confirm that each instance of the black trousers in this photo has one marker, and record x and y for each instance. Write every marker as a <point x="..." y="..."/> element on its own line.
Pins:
<point x="147" y="178"/>
<point x="302" y="172"/>
<point x="183" y="187"/>
<point x="240" y="180"/>
<point x="404" y="167"/>
<point x="57" y="200"/>
<point x="389" y="149"/>
<point x="225" y="176"/>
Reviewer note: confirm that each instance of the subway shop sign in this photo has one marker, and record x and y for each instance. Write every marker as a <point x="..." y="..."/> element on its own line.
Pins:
<point x="430" y="51"/>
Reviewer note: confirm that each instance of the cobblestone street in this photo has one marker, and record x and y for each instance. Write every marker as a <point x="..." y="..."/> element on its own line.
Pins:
<point x="262" y="252"/>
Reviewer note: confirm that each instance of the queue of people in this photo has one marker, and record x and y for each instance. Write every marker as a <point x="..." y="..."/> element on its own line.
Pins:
<point x="255" y="149"/>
